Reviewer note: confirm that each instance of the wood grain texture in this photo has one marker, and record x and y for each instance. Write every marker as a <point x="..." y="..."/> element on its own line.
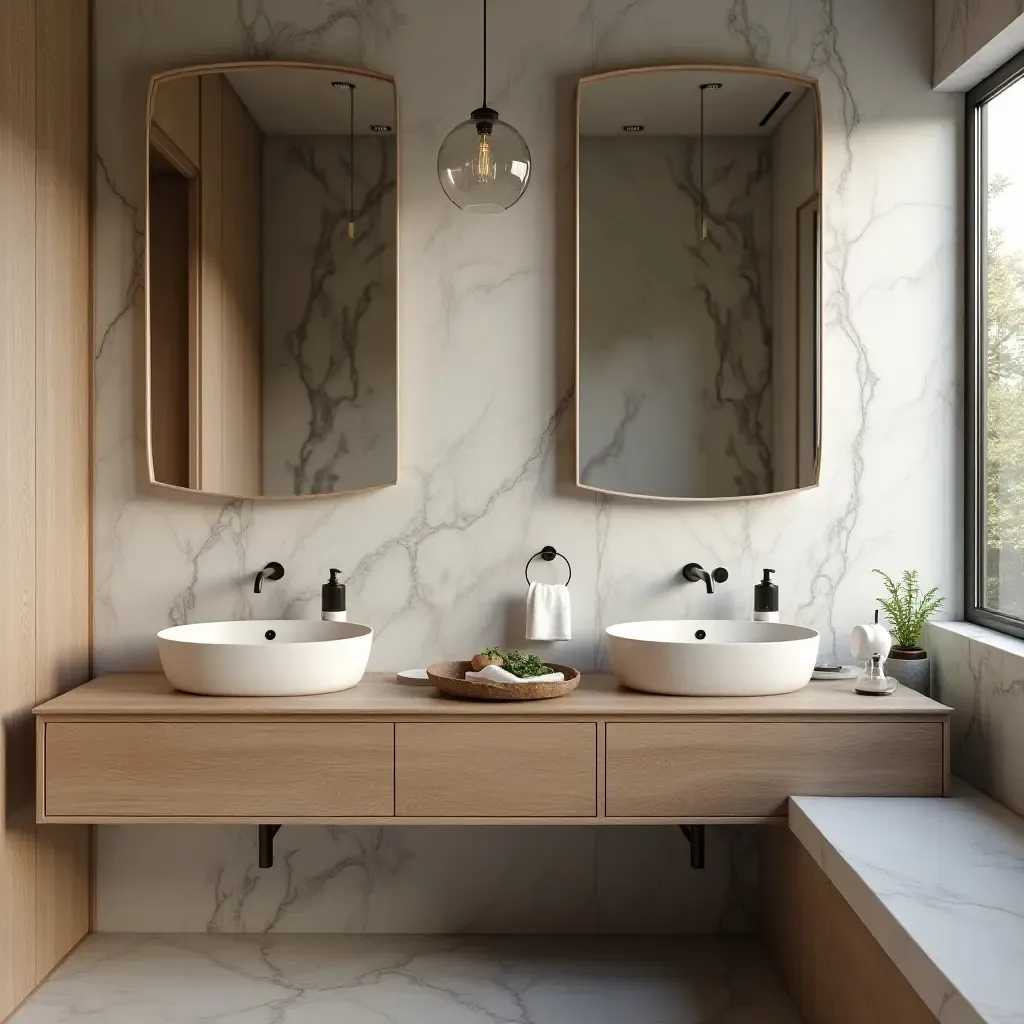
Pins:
<point x="835" y="971"/>
<point x="171" y="303"/>
<point x="751" y="768"/>
<point x="17" y="494"/>
<point x="45" y="373"/>
<point x="176" y="111"/>
<point x="132" y="694"/>
<point x="241" y="406"/>
<point x="62" y="436"/>
<point x="229" y="411"/>
<point x="496" y="770"/>
<point x="220" y="770"/>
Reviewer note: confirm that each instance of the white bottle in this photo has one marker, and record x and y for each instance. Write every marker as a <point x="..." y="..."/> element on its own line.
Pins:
<point x="766" y="599"/>
<point x="332" y="599"/>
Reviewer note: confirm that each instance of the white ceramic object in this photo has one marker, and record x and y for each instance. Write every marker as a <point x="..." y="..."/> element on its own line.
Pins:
<point x="265" y="658"/>
<point x="731" y="659"/>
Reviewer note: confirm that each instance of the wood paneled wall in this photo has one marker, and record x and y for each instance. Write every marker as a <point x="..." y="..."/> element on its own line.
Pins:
<point x="45" y="461"/>
<point x="231" y="335"/>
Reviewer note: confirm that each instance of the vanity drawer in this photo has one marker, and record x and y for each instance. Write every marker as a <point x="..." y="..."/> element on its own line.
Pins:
<point x="749" y="769"/>
<point x="267" y="770"/>
<point x="496" y="770"/>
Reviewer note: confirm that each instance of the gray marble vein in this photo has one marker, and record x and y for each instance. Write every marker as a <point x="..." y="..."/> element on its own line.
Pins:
<point x="411" y="980"/>
<point x="980" y="674"/>
<point x="135" y="280"/>
<point x="754" y="35"/>
<point x="952" y="921"/>
<point x="435" y="564"/>
<point x="263" y="34"/>
<point x="233" y="522"/>
<point x="329" y="375"/>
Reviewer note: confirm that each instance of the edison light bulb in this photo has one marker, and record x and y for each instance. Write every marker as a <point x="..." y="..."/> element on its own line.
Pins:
<point x="483" y="165"/>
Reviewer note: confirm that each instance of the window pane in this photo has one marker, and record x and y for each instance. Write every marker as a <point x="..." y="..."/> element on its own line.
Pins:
<point x="1003" y="540"/>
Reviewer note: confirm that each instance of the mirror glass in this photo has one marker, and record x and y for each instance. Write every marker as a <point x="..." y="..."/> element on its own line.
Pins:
<point x="272" y="280"/>
<point x="698" y="361"/>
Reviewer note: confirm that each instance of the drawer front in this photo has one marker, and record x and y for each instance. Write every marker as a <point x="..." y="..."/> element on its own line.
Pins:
<point x="496" y="770"/>
<point x="749" y="769"/>
<point x="271" y="770"/>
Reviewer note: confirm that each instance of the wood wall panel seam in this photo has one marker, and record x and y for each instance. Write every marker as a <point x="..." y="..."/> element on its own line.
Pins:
<point x="45" y="468"/>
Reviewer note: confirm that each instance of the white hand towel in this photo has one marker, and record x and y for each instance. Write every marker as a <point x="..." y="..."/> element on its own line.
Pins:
<point x="548" y="612"/>
<point x="497" y="674"/>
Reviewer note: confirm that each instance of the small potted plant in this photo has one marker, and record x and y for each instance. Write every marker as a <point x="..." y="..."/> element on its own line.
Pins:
<point x="908" y="609"/>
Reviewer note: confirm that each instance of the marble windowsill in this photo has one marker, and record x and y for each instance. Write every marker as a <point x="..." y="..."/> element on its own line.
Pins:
<point x="940" y="885"/>
<point x="983" y="635"/>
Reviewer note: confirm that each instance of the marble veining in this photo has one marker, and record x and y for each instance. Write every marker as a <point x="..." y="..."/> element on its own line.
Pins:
<point x="963" y="30"/>
<point x="940" y="885"/>
<point x="980" y="674"/>
<point x="411" y="980"/>
<point x="329" y="315"/>
<point x="577" y="880"/>
<point x="675" y="333"/>
<point x="486" y="313"/>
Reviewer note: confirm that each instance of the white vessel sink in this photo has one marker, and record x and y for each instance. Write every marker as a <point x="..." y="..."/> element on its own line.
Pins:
<point x="735" y="659"/>
<point x="266" y="658"/>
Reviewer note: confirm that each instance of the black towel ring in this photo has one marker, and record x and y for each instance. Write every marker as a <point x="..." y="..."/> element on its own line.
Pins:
<point x="549" y="554"/>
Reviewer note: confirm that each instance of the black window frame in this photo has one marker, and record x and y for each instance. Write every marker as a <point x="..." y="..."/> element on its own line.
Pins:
<point x="975" y="225"/>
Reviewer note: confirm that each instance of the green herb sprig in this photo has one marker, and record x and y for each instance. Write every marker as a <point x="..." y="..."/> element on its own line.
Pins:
<point x="906" y="608"/>
<point x="521" y="665"/>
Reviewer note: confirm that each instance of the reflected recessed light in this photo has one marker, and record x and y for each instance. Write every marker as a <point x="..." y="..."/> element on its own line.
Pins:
<point x="380" y="128"/>
<point x="343" y="85"/>
<point x="632" y="127"/>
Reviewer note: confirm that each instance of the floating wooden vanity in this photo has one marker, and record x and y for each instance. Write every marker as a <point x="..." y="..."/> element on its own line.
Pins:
<point x="129" y="748"/>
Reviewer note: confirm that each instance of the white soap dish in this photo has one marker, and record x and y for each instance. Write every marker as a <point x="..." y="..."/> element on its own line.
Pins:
<point x="414" y="677"/>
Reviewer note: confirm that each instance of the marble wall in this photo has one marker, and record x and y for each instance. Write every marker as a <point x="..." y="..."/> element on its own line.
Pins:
<point x="972" y="38"/>
<point x="486" y="308"/>
<point x="330" y="312"/>
<point x="675" y="333"/>
<point x="980" y="674"/>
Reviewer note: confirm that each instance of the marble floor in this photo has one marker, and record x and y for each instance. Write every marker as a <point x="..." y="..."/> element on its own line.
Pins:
<point x="316" y="979"/>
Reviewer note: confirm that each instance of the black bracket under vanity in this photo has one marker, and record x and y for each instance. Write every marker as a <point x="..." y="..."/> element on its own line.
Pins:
<point x="265" y="842"/>
<point x="695" y="836"/>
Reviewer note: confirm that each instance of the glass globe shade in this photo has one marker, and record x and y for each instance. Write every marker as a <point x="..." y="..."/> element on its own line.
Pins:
<point x="484" y="165"/>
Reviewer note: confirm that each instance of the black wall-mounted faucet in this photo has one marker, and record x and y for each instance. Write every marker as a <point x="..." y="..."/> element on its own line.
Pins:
<point x="694" y="572"/>
<point x="271" y="571"/>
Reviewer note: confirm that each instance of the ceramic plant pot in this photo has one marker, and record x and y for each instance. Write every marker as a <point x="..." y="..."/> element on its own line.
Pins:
<point x="911" y="667"/>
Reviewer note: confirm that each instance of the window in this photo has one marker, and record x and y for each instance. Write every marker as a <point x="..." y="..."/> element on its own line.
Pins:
<point x="995" y="351"/>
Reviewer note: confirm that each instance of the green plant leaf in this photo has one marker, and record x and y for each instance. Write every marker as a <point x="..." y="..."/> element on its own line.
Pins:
<point x="906" y="608"/>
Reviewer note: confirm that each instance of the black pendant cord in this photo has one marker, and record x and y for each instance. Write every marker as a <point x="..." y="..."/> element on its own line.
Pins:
<point x="352" y="161"/>
<point x="484" y="104"/>
<point x="703" y="222"/>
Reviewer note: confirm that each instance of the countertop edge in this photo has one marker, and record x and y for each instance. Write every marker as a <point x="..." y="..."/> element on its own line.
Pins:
<point x="149" y="695"/>
<point x="936" y="989"/>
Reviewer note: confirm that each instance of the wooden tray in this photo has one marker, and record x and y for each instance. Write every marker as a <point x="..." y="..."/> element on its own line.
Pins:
<point x="450" y="678"/>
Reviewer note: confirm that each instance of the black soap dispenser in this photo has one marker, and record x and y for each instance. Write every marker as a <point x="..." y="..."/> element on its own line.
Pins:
<point x="332" y="604"/>
<point x="766" y="599"/>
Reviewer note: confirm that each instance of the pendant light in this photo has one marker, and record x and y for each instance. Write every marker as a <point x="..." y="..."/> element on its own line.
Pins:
<point x="351" y="154"/>
<point x="703" y="202"/>
<point x="484" y="163"/>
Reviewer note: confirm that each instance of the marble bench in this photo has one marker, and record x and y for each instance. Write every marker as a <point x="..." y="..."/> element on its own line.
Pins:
<point x="939" y="885"/>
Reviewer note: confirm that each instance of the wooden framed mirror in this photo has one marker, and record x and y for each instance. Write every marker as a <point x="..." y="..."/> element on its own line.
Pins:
<point x="698" y="350"/>
<point x="271" y="280"/>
